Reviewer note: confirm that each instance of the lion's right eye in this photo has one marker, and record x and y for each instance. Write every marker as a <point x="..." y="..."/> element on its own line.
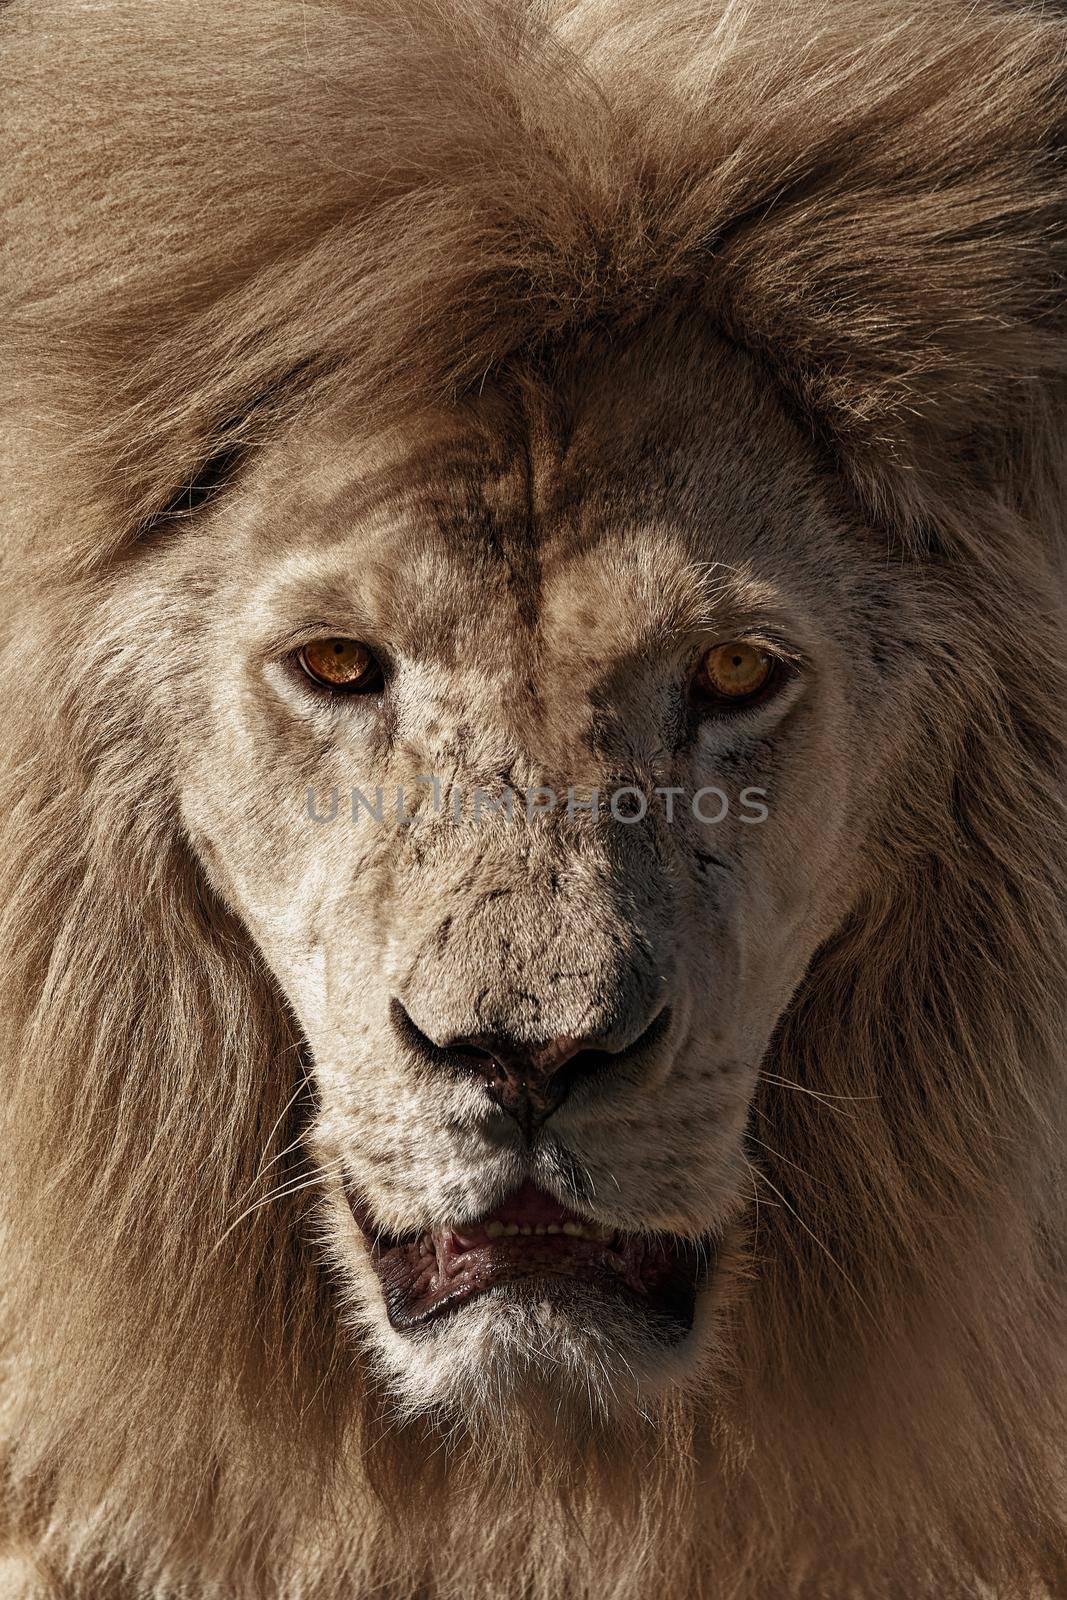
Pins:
<point x="341" y="664"/>
<point x="733" y="674"/>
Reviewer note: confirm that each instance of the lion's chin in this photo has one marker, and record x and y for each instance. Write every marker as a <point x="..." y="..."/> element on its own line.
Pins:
<point x="531" y="1249"/>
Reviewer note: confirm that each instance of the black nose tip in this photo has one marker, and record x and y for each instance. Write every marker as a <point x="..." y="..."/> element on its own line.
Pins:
<point x="528" y="1081"/>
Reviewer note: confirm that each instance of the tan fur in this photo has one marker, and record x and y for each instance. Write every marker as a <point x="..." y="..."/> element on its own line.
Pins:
<point x="548" y="343"/>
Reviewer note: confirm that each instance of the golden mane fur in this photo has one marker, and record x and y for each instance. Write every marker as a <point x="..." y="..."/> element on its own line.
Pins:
<point x="214" y="218"/>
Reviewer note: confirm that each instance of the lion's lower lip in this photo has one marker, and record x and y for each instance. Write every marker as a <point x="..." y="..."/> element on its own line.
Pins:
<point x="534" y="1244"/>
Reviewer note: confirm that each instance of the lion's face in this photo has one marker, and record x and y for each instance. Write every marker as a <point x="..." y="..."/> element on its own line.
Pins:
<point x="536" y="1035"/>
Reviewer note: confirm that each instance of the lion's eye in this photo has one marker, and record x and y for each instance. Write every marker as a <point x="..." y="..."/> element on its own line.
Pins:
<point x="341" y="664"/>
<point x="734" y="672"/>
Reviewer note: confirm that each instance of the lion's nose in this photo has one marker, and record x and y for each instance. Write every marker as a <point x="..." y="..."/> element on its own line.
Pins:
<point x="528" y="1081"/>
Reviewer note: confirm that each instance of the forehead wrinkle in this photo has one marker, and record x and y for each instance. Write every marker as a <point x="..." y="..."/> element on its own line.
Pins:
<point x="318" y="485"/>
<point x="337" y="474"/>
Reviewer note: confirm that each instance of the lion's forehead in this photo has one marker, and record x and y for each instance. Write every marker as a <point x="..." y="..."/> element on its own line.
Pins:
<point x="458" y="538"/>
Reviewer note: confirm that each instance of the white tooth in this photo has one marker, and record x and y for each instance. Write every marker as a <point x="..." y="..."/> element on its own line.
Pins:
<point x="574" y="1229"/>
<point x="494" y="1229"/>
<point x="511" y="1229"/>
<point x="552" y="1228"/>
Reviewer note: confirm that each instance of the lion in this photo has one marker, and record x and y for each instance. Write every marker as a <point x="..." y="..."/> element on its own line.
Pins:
<point x="533" y="941"/>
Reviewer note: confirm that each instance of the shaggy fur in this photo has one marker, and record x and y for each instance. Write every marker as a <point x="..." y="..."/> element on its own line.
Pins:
<point x="224" y="225"/>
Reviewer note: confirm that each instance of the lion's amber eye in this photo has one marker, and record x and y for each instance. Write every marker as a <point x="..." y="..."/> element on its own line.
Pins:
<point x="341" y="664"/>
<point x="733" y="672"/>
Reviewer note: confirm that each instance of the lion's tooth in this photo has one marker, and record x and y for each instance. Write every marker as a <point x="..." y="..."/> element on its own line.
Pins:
<point x="539" y="1228"/>
<point x="524" y="1227"/>
<point x="494" y="1229"/>
<point x="574" y="1229"/>
<point x="511" y="1229"/>
<point x="552" y="1228"/>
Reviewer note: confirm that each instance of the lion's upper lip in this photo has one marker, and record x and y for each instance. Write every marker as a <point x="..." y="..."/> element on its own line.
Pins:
<point x="527" y="1239"/>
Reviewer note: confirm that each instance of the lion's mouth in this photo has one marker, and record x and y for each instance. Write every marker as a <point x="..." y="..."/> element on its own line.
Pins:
<point x="533" y="1242"/>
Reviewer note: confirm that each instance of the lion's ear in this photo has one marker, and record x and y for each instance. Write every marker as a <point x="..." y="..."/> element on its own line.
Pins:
<point x="905" y="277"/>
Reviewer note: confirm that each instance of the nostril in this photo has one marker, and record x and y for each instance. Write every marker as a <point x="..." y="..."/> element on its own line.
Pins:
<point x="592" y="1060"/>
<point x="460" y="1047"/>
<point x="449" y="1052"/>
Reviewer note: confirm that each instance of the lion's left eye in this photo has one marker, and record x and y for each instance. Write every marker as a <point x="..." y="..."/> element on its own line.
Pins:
<point x="733" y="673"/>
<point x="343" y="664"/>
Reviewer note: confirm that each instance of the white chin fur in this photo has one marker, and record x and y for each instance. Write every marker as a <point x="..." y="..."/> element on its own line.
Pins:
<point x="502" y="1350"/>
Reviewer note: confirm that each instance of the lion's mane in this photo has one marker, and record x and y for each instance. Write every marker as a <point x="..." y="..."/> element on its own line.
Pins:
<point x="214" y="217"/>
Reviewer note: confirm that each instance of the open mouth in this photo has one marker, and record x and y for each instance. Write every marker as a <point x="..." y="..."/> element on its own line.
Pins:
<point x="535" y="1244"/>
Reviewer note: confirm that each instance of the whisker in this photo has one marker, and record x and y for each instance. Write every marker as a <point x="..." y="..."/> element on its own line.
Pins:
<point x="260" y="1169"/>
<point x="816" y="1094"/>
<point x="827" y="1252"/>
<point x="780" y="1157"/>
<point x="284" y="1191"/>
